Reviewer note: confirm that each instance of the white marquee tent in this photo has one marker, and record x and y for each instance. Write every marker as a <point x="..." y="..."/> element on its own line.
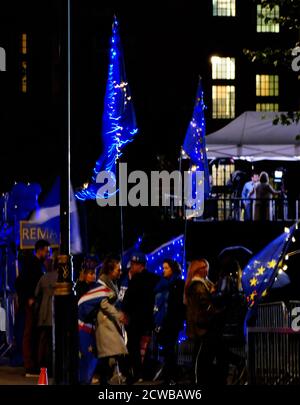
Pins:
<point x="253" y="136"/>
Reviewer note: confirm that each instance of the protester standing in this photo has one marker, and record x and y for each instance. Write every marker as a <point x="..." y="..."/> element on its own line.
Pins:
<point x="44" y="293"/>
<point x="110" y="332"/>
<point x="138" y="305"/>
<point x="87" y="277"/>
<point x="202" y="321"/>
<point x="169" y="315"/>
<point x="26" y="282"/>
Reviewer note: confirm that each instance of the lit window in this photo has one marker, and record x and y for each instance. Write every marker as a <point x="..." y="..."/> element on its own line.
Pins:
<point x="24" y="44"/>
<point x="24" y="86"/>
<point x="24" y="77"/>
<point x="265" y="19"/>
<point x="267" y="85"/>
<point x="221" y="175"/>
<point x="224" y="8"/>
<point x="223" y="101"/>
<point x="267" y="107"/>
<point x="223" y="68"/>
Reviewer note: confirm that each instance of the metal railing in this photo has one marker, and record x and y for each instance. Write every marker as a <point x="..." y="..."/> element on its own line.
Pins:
<point x="272" y="350"/>
<point x="220" y="208"/>
<point x="273" y="346"/>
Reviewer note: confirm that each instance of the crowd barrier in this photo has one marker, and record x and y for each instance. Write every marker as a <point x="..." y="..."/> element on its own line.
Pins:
<point x="273" y="346"/>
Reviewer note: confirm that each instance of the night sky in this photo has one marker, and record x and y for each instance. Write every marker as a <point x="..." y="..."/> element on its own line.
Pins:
<point x="165" y="47"/>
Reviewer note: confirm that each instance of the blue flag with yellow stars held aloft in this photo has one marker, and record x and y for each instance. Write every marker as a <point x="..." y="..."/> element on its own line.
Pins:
<point x="260" y="273"/>
<point x="194" y="146"/>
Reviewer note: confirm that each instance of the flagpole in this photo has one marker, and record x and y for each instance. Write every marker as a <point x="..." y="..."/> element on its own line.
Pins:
<point x="122" y="234"/>
<point x="121" y="213"/>
<point x="183" y="212"/>
<point x="65" y="314"/>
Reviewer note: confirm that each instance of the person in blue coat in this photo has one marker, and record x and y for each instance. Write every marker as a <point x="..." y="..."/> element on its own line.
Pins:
<point x="169" y="315"/>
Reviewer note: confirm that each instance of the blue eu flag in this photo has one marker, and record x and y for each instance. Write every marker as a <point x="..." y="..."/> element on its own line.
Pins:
<point x="194" y="146"/>
<point x="260" y="273"/>
<point x="118" y="121"/>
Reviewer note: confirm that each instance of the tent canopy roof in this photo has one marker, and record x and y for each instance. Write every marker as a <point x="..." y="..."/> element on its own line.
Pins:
<point x="253" y="136"/>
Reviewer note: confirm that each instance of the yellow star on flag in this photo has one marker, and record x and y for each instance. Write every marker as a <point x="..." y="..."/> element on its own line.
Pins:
<point x="272" y="264"/>
<point x="264" y="293"/>
<point x="260" y="271"/>
<point x="253" y="282"/>
<point x="252" y="296"/>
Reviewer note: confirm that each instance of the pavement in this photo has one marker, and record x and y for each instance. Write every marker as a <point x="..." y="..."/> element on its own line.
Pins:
<point x="15" y="376"/>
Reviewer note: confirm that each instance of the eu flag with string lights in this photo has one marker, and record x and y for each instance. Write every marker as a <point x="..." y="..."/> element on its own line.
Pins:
<point x="194" y="146"/>
<point x="173" y="249"/>
<point x="118" y="121"/>
<point x="260" y="273"/>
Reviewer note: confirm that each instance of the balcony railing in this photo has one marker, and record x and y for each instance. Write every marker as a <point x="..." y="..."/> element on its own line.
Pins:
<point x="238" y="209"/>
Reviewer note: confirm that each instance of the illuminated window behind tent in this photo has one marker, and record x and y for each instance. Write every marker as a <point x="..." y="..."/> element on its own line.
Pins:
<point x="264" y="107"/>
<point x="24" y="44"/>
<point x="24" y="77"/>
<point x="267" y="85"/>
<point x="266" y="19"/>
<point x="24" y="67"/>
<point x="223" y="102"/>
<point x="221" y="175"/>
<point x="224" y="8"/>
<point x="223" y="68"/>
<point x="2" y="60"/>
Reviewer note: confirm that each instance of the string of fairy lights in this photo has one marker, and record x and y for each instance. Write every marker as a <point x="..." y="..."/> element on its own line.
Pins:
<point x="283" y="266"/>
<point x="174" y="249"/>
<point x="118" y="122"/>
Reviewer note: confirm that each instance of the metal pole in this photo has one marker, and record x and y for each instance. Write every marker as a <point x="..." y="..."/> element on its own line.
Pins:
<point x="122" y="234"/>
<point x="184" y="245"/>
<point x="180" y="188"/>
<point x="65" y="183"/>
<point x="5" y="284"/>
<point x="65" y="307"/>
<point x="68" y="168"/>
<point x="118" y="179"/>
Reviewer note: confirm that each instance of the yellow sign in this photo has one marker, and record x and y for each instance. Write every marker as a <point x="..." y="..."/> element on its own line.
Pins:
<point x="31" y="232"/>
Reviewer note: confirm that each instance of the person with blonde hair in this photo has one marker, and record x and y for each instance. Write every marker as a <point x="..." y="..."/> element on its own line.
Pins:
<point x="263" y="193"/>
<point x="201" y="319"/>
